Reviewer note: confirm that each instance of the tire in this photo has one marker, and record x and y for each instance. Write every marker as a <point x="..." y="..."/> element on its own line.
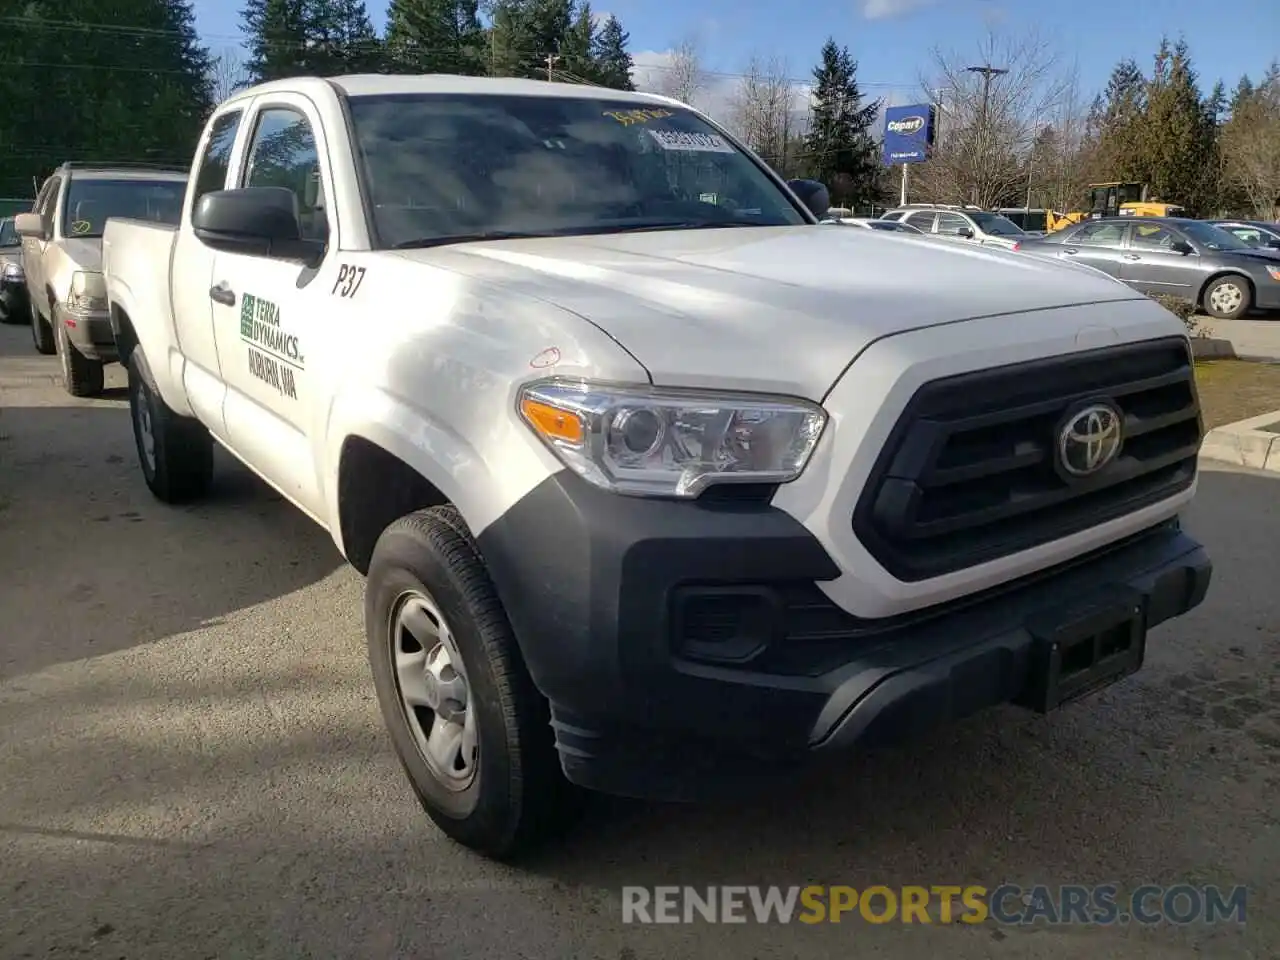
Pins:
<point x="508" y="794"/>
<point x="81" y="376"/>
<point x="1233" y="294"/>
<point x="41" y="331"/>
<point x="175" y="452"/>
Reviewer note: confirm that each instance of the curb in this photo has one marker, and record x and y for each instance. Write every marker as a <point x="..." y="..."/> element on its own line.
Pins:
<point x="1246" y="443"/>
<point x="1212" y="348"/>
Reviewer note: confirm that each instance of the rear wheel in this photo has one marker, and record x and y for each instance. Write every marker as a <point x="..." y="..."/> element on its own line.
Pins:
<point x="176" y="452"/>
<point x="1228" y="298"/>
<point x="81" y="376"/>
<point x="41" y="332"/>
<point x="470" y="728"/>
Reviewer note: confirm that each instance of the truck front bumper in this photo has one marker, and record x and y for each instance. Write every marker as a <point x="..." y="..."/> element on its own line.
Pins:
<point x="90" y="333"/>
<point x="686" y="651"/>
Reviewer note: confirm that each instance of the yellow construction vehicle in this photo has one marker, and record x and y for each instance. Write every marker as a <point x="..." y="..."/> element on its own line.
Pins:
<point x="1115" y="200"/>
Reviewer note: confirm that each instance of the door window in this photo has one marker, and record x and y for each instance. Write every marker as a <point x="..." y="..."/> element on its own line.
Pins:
<point x="952" y="223"/>
<point x="1250" y="235"/>
<point x="921" y="221"/>
<point x="1098" y="235"/>
<point x="1148" y="236"/>
<point x="50" y="200"/>
<point x="211" y="174"/>
<point x="284" y="154"/>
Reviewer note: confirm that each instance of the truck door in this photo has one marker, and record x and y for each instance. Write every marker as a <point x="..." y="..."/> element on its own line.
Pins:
<point x="269" y="312"/>
<point x="191" y="277"/>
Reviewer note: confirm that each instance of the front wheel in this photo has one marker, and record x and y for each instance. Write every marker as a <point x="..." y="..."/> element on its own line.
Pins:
<point x="41" y="331"/>
<point x="176" y="452"/>
<point x="81" y="376"/>
<point x="467" y="723"/>
<point x="1228" y="298"/>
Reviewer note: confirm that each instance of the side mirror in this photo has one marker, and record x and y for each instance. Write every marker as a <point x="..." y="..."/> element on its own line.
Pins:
<point x="965" y="232"/>
<point x="813" y="195"/>
<point x="258" y="221"/>
<point x="1182" y="247"/>
<point x="29" y="225"/>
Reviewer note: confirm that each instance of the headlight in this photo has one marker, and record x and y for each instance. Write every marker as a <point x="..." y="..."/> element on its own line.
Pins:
<point x="650" y="441"/>
<point x="1275" y="272"/>
<point x="13" y="271"/>
<point x="88" y="292"/>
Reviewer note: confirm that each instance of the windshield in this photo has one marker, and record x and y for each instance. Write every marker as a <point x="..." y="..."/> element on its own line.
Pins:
<point x="442" y="166"/>
<point x="1211" y="237"/>
<point x="8" y="235"/>
<point x="996" y="225"/>
<point x="90" y="202"/>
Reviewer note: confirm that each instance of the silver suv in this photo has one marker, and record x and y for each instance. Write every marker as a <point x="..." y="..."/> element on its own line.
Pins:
<point x="966" y="224"/>
<point x="62" y="257"/>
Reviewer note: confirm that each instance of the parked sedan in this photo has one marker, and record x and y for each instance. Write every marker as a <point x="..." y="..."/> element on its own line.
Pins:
<point x="13" y="281"/>
<point x="1192" y="259"/>
<point x="1256" y="233"/>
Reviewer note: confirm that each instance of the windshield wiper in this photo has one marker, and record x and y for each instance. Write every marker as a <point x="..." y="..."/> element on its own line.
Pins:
<point x="683" y="225"/>
<point x="421" y="242"/>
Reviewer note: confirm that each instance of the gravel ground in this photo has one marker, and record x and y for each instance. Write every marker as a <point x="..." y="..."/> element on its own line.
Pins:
<point x="192" y="764"/>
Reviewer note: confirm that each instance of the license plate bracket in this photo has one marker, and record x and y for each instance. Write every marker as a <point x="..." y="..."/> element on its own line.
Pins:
<point x="1080" y="648"/>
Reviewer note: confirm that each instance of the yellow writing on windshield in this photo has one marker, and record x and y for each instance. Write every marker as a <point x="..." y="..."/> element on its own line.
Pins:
<point x="628" y="117"/>
<point x="81" y="226"/>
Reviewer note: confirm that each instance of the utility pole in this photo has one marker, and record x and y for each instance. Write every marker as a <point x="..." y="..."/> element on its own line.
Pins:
<point x="987" y="72"/>
<point x="552" y="60"/>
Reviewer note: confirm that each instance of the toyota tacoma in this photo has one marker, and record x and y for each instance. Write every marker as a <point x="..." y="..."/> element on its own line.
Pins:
<point x="659" y="484"/>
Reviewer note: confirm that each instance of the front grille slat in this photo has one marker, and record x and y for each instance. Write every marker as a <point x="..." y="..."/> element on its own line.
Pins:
<point x="969" y="473"/>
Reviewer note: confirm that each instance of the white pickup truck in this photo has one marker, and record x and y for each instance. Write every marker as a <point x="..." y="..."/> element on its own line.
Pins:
<point x="659" y="484"/>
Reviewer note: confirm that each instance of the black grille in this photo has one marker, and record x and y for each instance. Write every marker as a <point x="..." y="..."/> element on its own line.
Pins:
<point x="969" y="475"/>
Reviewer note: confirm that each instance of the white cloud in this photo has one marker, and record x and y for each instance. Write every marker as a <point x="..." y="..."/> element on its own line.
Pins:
<point x="887" y="9"/>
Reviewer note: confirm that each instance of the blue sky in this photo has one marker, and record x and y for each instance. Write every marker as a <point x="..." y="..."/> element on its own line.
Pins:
<point x="892" y="39"/>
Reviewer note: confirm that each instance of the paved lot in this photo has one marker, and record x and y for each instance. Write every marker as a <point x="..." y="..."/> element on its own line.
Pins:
<point x="191" y="764"/>
<point x="1257" y="338"/>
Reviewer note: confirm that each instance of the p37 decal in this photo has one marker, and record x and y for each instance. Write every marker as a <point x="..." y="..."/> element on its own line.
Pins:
<point x="349" y="279"/>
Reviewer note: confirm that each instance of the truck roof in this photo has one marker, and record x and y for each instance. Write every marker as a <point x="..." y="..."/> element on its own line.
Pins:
<point x="373" y="84"/>
<point x="108" y="172"/>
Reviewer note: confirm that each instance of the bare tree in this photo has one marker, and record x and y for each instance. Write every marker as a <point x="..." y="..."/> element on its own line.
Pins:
<point x="1251" y="148"/>
<point x="227" y="75"/>
<point x="990" y="120"/>
<point x="763" y="111"/>
<point x="1058" y="167"/>
<point x="684" y="78"/>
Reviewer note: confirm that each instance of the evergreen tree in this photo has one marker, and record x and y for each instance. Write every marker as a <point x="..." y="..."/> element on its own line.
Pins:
<point x="1177" y="152"/>
<point x="278" y="35"/>
<point x="577" y="47"/>
<point x="839" y="148"/>
<point x="612" y="58"/>
<point x="511" y="39"/>
<point x="125" y="80"/>
<point x="435" y="36"/>
<point x="340" y="38"/>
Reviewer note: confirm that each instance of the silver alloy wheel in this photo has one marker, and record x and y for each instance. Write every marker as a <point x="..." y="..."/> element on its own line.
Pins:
<point x="1226" y="297"/>
<point x="434" y="693"/>
<point x="142" y="417"/>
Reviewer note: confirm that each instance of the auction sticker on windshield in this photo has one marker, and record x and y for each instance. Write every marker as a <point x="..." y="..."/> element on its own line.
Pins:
<point x="696" y="142"/>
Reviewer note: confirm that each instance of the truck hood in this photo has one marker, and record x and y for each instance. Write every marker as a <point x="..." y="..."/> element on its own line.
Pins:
<point x="770" y="308"/>
<point x="85" y="254"/>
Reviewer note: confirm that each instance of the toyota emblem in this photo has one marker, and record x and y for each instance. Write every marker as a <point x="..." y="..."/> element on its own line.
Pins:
<point x="1090" y="439"/>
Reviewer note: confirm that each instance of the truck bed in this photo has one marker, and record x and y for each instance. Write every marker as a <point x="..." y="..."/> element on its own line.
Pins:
<point x="136" y="260"/>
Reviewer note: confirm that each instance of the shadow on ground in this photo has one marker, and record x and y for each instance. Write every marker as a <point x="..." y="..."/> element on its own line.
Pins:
<point x="91" y="563"/>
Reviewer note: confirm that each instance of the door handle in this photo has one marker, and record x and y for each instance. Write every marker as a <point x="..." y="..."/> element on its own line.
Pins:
<point x="1071" y="251"/>
<point x="1132" y="256"/>
<point x="222" y="294"/>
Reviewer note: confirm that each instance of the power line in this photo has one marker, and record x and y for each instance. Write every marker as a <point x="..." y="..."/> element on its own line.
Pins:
<point x="371" y="44"/>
